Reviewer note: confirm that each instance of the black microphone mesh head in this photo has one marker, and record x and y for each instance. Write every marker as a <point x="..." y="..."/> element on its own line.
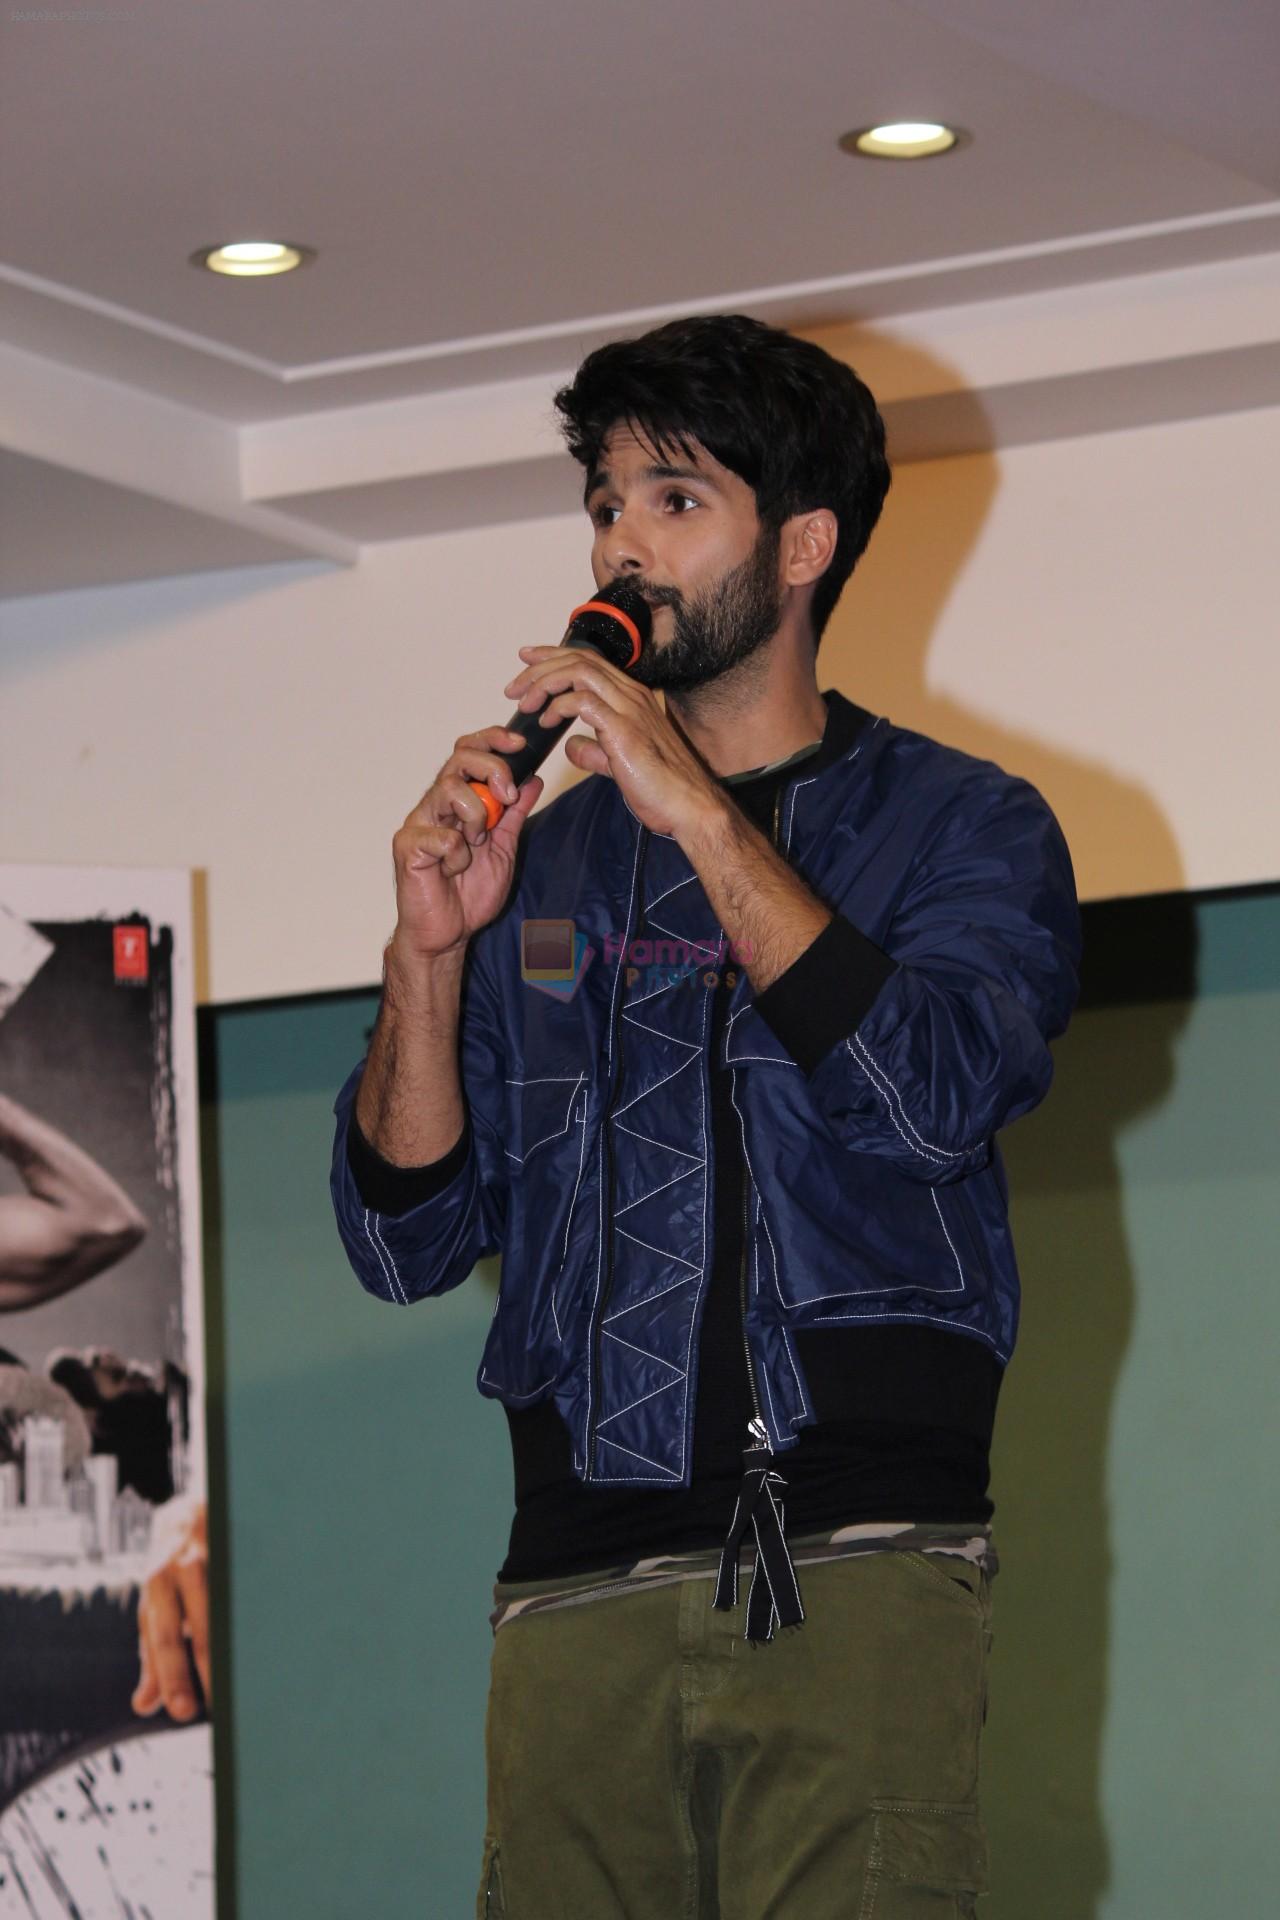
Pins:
<point x="614" y="634"/>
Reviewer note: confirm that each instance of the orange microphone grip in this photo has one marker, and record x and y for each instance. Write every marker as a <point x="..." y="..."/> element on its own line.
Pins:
<point x="493" y="807"/>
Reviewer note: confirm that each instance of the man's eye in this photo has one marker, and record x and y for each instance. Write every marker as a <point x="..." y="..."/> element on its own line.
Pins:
<point x="602" y="516"/>
<point x="682" y="500"/>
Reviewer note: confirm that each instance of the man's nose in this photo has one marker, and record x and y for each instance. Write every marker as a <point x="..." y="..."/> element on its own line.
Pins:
<point x="625" y="549"/>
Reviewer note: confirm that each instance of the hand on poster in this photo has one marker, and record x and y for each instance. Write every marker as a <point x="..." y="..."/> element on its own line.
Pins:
<point x="173" y="1616"/>
<point x="72" y="1222"/>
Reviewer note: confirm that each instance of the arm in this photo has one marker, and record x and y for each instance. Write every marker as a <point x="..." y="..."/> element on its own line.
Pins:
<point x="72" y="1221"/>
<point x="411" y="1231"/>
<point x="452" y="878"/>
<point x="418" y="1191"/>
<point x="920" y="1053"/>
<point x="409" y="1107"/>
<point x="767" y="912"/>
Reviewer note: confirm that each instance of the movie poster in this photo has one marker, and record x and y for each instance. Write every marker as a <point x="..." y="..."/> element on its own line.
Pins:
<point x="106" y="1795"/>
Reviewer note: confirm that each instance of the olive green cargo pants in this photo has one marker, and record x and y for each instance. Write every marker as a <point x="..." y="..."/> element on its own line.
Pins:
<point x="645" y="1763"/>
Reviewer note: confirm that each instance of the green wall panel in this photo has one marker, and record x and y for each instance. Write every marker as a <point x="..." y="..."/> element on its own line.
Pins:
<point x="368" y="1488"/>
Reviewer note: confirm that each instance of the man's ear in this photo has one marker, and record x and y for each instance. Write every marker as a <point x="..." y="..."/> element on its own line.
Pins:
<point x="807" y="546"/>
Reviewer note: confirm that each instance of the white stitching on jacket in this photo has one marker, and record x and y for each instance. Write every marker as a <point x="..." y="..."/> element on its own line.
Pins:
<point x="976" y="1333"/>
<point x="620" y="1312"/>
<point x="876" y="1073"/>
<point x="951" y="1243"/>
<point x="663" y="1144"/>
<point x="645" y="1355"/>
<point x="871" y="1071"/>
<point x="664" y="1388"/>
<point x="686" y="1173"/>
<point x="613" y="1001"/>
<point x="686" y="882"/>
<point x="532" y="1393"/>
<point x="403" y="1301"/>
<point x="667" y="1473"/>
<point x="557" y="1133"/>
<point x="573" y="1199"/>
<point x="661" y="1253"/>
<point x="381" y="1238"/>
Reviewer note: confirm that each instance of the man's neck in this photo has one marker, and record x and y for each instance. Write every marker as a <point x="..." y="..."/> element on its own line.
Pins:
<point x="761" y="712"/>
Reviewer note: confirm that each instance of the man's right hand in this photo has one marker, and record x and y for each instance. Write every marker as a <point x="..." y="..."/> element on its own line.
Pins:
<point x="452" y="874"/>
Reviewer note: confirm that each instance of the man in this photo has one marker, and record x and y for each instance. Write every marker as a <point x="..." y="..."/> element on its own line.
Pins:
<point x="757" y="1284"/>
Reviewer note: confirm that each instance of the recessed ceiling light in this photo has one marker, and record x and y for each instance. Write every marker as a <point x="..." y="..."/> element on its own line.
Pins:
<point x="903" y="140"/>
<point x="249" y="259"/>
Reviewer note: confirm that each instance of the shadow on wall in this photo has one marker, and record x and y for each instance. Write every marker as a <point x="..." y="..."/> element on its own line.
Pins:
<point x="1043" y="1743"/>
<point x="1050" y="1684"/>
<point x="877" y="644"/>
<point x="41" y="630"/>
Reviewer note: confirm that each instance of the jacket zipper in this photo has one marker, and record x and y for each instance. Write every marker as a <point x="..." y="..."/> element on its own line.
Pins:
<point x="597" y="1331"/>
<point x="757" y="1431"/>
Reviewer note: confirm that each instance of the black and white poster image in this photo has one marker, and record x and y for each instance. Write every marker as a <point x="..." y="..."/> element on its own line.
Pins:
<point x="106" y="1765"/>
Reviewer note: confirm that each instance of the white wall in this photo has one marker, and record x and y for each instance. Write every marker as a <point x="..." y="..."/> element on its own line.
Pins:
<point x="1098" y="614"/>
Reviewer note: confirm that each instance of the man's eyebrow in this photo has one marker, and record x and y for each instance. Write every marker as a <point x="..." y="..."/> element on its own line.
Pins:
<point x="602" y="478"/>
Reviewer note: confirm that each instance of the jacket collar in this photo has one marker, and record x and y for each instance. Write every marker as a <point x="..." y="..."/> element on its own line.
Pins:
<point x="845" y="722"/>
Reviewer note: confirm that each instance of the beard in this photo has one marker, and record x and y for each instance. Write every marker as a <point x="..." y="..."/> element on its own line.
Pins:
<point x="719" y="627"/>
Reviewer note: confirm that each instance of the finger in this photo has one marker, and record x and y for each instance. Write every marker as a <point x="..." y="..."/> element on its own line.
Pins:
<point x="475" y="757"/>
<point x="457" y="801"/>
<point x="534" y="656"/>
<point x="526" y="691"/>
<point x="489" y="769"/>
<point x="167" y="1647"/>
<point x="415" y="848"/>
<point x="582" y="751"/>
<point x="146" y="1695"/>
<point x="494" y="738"/>
<point x="563" y="676"/>
<point x="588" y="706"/>
<point x="478" y="753"/>
<point x="566" y="667"/>
<point x="193" y="1591"/>
<point x="508" y="828"/>
<point x="492" y="771"/>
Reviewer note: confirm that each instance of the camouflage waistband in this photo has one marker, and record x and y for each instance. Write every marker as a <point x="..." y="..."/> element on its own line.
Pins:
<point x="515" y="1597"/>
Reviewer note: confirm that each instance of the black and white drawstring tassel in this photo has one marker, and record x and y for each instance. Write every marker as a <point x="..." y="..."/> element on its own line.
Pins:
<point x="774" y="1599"/>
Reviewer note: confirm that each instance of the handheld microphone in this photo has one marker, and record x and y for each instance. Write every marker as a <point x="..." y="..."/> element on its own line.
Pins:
<point x="615" y="623"/>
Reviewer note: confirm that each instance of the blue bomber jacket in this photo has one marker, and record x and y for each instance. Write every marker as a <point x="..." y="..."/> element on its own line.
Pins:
<point x="869" y="1084"/>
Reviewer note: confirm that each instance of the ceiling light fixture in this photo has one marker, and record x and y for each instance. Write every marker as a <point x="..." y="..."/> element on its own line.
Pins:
<point x="903" y="140"/>
<point x="251" y="259"/>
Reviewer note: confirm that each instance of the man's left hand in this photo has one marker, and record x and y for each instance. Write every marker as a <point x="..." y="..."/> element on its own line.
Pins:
<point x="662" y="779"/>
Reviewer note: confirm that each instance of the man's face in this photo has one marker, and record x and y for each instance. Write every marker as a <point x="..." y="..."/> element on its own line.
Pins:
<point x="686" y="534"/>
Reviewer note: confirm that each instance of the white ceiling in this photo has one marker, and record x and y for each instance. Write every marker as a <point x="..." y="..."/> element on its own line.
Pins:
<point x="491" y="190"/>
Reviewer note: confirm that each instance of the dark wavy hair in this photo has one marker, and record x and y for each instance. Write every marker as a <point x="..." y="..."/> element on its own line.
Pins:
<point x="797" y="425"/>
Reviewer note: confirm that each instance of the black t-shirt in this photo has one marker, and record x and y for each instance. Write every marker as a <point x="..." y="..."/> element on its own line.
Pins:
<point x="904" y="1413"/>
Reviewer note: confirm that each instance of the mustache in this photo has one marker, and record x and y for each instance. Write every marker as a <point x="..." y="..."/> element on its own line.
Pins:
<point x="655" y="595"/>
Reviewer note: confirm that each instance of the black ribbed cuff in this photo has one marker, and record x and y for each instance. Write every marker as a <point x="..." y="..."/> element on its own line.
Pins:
<point x="394" y="1190"/>
<point x="824" y="994"/>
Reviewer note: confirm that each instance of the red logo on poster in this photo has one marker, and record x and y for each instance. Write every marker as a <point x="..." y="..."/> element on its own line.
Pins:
<point x="130" y="949"/>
